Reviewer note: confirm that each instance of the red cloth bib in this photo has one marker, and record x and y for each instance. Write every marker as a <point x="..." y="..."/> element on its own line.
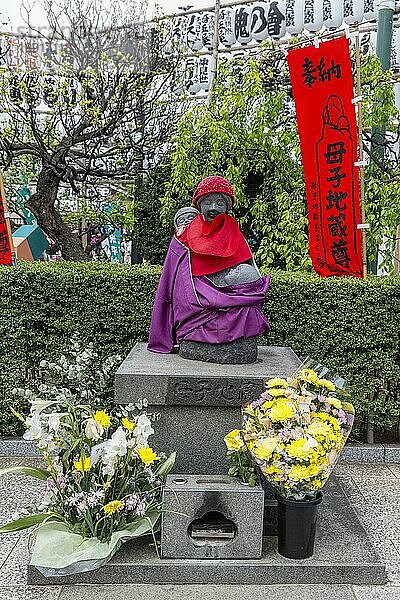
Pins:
<point x="217" y="245"/>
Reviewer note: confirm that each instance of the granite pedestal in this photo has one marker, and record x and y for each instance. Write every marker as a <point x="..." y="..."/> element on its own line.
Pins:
<point x="198" y="402"/>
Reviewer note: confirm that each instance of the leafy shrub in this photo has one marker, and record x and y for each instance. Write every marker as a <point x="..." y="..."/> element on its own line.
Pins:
<point x="350" y="325"/>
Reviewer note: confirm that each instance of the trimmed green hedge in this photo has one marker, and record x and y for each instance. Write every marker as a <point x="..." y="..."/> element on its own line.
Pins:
<point x="352" y="326"/>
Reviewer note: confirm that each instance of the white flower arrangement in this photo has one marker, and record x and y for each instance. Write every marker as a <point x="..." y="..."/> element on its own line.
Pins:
<point x="103" y="480"/>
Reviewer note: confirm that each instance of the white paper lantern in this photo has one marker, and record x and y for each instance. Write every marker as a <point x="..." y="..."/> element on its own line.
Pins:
<point x="194" y="38"/>
<point x="179" y="33"/>
<point x="332" y="13"/>
<point x="242" y="24"/>
<point x="370" y="10"/>
<point x="276" y="19"/>
<point x="313" y="15"/>
<point x="205" y="72"/>
<point x="395" y="50"/>
<point x="259" y="21"/>
<point x="207" y="30"/>
<point x="167" y="30"/>
<point x="353" y="11"/>
<point x="368" y="42"/>
<point x="294" y="16"/>
<point x="226" y="27"/>
<point x="397" y="95"/>
<point x="192" y="82"/>
<point x="3" y="50"/>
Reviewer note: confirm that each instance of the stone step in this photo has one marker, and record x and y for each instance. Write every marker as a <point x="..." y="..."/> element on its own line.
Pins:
<point x="343" y="555"/>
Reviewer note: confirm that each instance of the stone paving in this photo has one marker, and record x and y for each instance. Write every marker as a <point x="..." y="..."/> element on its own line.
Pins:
<point x="374" y="490"/>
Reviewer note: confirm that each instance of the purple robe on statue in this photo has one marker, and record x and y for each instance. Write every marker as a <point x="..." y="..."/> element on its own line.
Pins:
<point x="192" y="308"/>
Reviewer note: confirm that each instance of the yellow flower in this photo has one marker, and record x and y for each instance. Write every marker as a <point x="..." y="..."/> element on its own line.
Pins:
<point x="299" y="472"/>
<point x="281" y="412"/>
<point x="313" y="470"/>
<point x="83" y="464"/>
<point x="318" y="429"/>
<point x="348" y="407"/>
<point x="299" y="448"/>
<point x="276" y="382"/>
<point x="251" y="444"/>
<point x="272" y="469"/>
<point x="233" y="440"/>
<point x="265" y="448"/>
<point x="147" y="455"/>
<point x="102" y="417"/>
<point x="275" y="392"/>
<point x="315" y="484"/>
<point x="128" y="424"/>
<point x="309" y="376"/>
<point x="334" y="402"/>
<point x="113" y="507"/>
<point x="267" y="404"/>
<point x="328" y="385"/>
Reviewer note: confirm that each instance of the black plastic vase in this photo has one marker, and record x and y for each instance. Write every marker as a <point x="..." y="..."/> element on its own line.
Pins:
<point x="297" y="522"/>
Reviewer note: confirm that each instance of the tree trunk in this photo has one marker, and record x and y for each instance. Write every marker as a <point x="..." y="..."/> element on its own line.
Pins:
<point x="41" y="203"/>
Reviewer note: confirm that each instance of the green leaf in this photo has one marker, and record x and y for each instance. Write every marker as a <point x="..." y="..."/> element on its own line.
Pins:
<point x="166" y="466"/>
<point x="26" y="522"/>
<point x="42" y="474"/>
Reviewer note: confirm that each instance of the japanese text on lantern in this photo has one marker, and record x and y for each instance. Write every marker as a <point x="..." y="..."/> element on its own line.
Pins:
<point x="322" y="78"/>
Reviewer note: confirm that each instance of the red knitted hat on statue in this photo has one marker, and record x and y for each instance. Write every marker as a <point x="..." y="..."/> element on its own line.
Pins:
<point x="212" y="185"/>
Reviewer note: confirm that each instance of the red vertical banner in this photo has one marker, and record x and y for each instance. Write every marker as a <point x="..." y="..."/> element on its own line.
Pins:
<point x="5" y="246"/>
<point x="322" y="84"/>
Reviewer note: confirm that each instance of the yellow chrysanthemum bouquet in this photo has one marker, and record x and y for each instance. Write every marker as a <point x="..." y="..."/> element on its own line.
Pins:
<point x="294" y="433"/>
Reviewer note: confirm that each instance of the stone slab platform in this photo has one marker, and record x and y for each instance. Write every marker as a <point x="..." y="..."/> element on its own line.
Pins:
<point x="343" y="555"/>
<point x="168" y="379"/>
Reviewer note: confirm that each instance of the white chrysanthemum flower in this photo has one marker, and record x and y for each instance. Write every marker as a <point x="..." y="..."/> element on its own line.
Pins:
<point x="34" y="431"/>
<point x="93" y="430"/>
<point x="143" y="430"/>
<point x="116" y="446"/>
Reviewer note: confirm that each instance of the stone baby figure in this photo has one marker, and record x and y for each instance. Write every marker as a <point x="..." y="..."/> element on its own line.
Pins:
<point x="210" y="293"/>
<point x="183" y="217"/>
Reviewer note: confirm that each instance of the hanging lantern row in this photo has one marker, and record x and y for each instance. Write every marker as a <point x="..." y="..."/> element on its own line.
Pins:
<point x="262" y="20"/>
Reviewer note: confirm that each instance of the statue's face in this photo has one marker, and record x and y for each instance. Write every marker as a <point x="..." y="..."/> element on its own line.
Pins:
<point x="212" y="205"/>
<point x="186" y="218"/>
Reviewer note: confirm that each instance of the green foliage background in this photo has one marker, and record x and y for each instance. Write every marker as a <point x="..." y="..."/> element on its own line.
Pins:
<point x="351" y="325"/>
<point x="249" y="135"/>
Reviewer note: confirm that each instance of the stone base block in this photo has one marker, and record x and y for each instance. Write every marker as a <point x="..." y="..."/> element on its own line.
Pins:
<point x="209" y="516"/>
<point x="239" y="352"/>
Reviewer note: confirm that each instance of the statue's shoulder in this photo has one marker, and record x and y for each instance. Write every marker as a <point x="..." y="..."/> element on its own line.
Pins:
<point x="178" y="247"/>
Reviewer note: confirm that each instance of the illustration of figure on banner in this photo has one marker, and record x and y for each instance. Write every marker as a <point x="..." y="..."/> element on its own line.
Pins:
<point x="335" y="153"/>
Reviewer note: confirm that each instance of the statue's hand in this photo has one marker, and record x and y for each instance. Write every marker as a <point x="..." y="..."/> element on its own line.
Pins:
<point x="242" y="273"/>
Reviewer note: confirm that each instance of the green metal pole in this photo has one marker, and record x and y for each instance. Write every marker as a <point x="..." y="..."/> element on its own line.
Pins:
<point x="383" y="49"/>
